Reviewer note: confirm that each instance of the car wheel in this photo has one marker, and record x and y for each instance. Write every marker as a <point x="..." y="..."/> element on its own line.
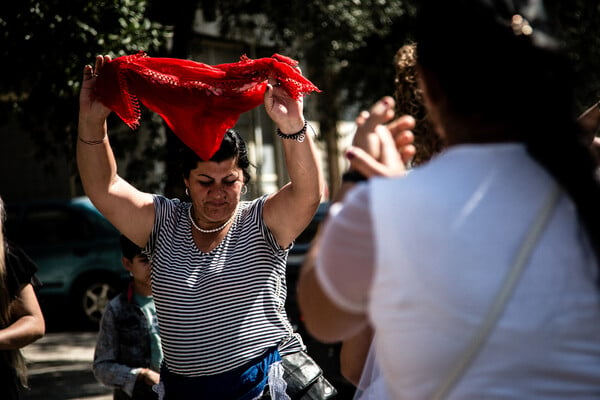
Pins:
<point x="92" y="297"/>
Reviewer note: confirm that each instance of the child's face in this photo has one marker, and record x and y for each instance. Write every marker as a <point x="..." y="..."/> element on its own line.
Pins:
<point x="139" y="268"/>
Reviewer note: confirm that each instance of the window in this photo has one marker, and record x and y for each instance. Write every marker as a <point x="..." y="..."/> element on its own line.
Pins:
<point x="54" y="225"/>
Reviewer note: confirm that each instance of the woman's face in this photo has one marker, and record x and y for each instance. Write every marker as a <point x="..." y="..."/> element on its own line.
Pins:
<point x="215" y="189"/>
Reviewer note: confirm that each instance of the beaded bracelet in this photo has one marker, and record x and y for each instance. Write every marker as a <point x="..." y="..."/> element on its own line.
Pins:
<point x="299" y="136"/>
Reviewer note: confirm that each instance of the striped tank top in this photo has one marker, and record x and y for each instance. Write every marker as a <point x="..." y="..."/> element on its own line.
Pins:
<point x="218" y="310"/>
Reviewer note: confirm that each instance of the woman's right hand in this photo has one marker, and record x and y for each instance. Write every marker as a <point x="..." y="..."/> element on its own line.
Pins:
<point x="380" y="147"/>
<point x="91" y="110"/>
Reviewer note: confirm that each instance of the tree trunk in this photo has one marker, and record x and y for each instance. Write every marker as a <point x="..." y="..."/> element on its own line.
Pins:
<point x="329" y="115"/>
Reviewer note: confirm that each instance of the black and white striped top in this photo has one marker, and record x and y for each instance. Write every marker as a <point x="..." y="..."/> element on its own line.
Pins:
<point x="218" y="310"/>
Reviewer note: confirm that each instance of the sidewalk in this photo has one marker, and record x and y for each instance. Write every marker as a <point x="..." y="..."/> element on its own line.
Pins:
<point x="60" y="368"/>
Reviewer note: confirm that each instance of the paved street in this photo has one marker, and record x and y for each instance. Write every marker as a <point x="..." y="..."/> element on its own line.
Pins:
<point x="60" y="368"/>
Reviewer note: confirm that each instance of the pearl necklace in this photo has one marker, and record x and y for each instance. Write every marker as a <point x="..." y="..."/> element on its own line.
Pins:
<point x="220" y="228"/>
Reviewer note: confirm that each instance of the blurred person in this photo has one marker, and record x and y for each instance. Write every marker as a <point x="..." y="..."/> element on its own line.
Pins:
<point x="21" y="319"/>
<point x="358" y="362"/>
<point x="357" y="358"/>
<point x="424" y="255"/>
<point x="217" y="262"/>
<point x="128" y="351"/>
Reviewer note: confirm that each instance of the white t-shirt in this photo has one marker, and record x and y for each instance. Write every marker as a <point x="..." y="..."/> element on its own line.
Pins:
<point x="372" y="384"/>
<point x="424" y="256"/>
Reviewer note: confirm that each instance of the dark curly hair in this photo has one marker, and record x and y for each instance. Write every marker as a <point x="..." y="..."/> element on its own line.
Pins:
<point x="232" y="146"/>
<point x="409" y="100"/>
<point x="511" y="74"/>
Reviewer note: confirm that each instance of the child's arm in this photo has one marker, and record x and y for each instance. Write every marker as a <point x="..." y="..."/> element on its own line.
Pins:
<point x="106" y="366"/>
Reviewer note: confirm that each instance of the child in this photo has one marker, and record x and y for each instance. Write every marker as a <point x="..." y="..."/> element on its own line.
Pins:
<point x="128" y="352"/>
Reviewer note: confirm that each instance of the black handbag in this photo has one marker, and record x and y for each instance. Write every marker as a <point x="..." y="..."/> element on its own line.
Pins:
<point x="304" y="378"/>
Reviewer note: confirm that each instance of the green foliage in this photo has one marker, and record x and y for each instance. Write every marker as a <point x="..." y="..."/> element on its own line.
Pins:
<point x="44" y="46"/>
<point x="578" y="22"/>
<point x="347" y="44"/>
<point x="352" y="42"/>
<point x="346" y="47"/>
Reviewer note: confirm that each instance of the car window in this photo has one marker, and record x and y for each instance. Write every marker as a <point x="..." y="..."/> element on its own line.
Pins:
<point x="54" y="225"/>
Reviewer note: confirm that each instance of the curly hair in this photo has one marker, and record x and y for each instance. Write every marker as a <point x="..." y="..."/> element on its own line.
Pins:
<point x="409" y="100"/>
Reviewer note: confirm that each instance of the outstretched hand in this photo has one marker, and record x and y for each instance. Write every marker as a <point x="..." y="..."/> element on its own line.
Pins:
<point x="381" y="147"/>
<point x="285" y="112"/>
<point x="90" y="108"/>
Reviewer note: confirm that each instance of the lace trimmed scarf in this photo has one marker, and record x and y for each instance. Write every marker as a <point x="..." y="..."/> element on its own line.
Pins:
<point x="198" y="102"/>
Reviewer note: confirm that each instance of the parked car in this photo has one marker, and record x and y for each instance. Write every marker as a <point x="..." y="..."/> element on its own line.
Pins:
<point x="327" y="355"/>
<point x="78" y="254"/>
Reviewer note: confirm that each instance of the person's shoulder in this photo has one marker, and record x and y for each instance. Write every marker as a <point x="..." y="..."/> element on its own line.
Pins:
<point x="16" y="258"/>
<point x="160" y="199"/>
<point x="252" y="206"/>
<point x="164" y="204"/>
<point x="259" y="201"/>
<point x="117" y="302"/>
<point x="21" y="269"/>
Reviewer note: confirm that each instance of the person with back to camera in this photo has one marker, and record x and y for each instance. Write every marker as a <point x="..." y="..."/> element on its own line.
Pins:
<point x="358" y="362"/>
<point x="218" y="263"/>
<point x="21" y="319"/>
<point x="128" y="351"/>
<point x="461" y="308"/>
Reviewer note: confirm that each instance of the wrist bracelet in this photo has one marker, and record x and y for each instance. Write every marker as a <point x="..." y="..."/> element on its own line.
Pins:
<point x="353" y="176"/>
<point x="298" y="136"/>
<point x="91" y="142"/>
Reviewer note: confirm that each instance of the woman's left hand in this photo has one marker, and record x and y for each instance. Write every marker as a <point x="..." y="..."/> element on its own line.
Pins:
<point x="283" y="109"/>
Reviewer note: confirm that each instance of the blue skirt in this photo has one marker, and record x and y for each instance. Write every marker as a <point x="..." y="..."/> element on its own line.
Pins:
<point x="243" y="383"/>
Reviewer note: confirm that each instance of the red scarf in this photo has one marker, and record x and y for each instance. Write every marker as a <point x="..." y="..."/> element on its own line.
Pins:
<point x="199" y="102"/>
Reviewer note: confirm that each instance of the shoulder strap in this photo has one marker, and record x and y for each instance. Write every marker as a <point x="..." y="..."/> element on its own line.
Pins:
<point x="502" y="296"/>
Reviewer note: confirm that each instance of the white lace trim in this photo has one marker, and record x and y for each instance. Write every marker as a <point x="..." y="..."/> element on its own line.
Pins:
<point x="277" y="384"/>
<point x="159" y="388"/>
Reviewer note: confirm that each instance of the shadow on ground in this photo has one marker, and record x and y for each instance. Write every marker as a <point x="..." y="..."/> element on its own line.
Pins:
<point x="60" y="368"/>
<point x="69" y="382"/>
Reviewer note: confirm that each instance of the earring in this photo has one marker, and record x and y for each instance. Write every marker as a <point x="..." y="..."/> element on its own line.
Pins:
<point x="244" y="189"/>
<point x="187" y="191"/>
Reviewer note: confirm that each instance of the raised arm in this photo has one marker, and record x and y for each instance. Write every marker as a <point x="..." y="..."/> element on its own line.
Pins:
<point x="289" y="211"/>
<point x="379" y="149"/>
<point x="128" y="209"/>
